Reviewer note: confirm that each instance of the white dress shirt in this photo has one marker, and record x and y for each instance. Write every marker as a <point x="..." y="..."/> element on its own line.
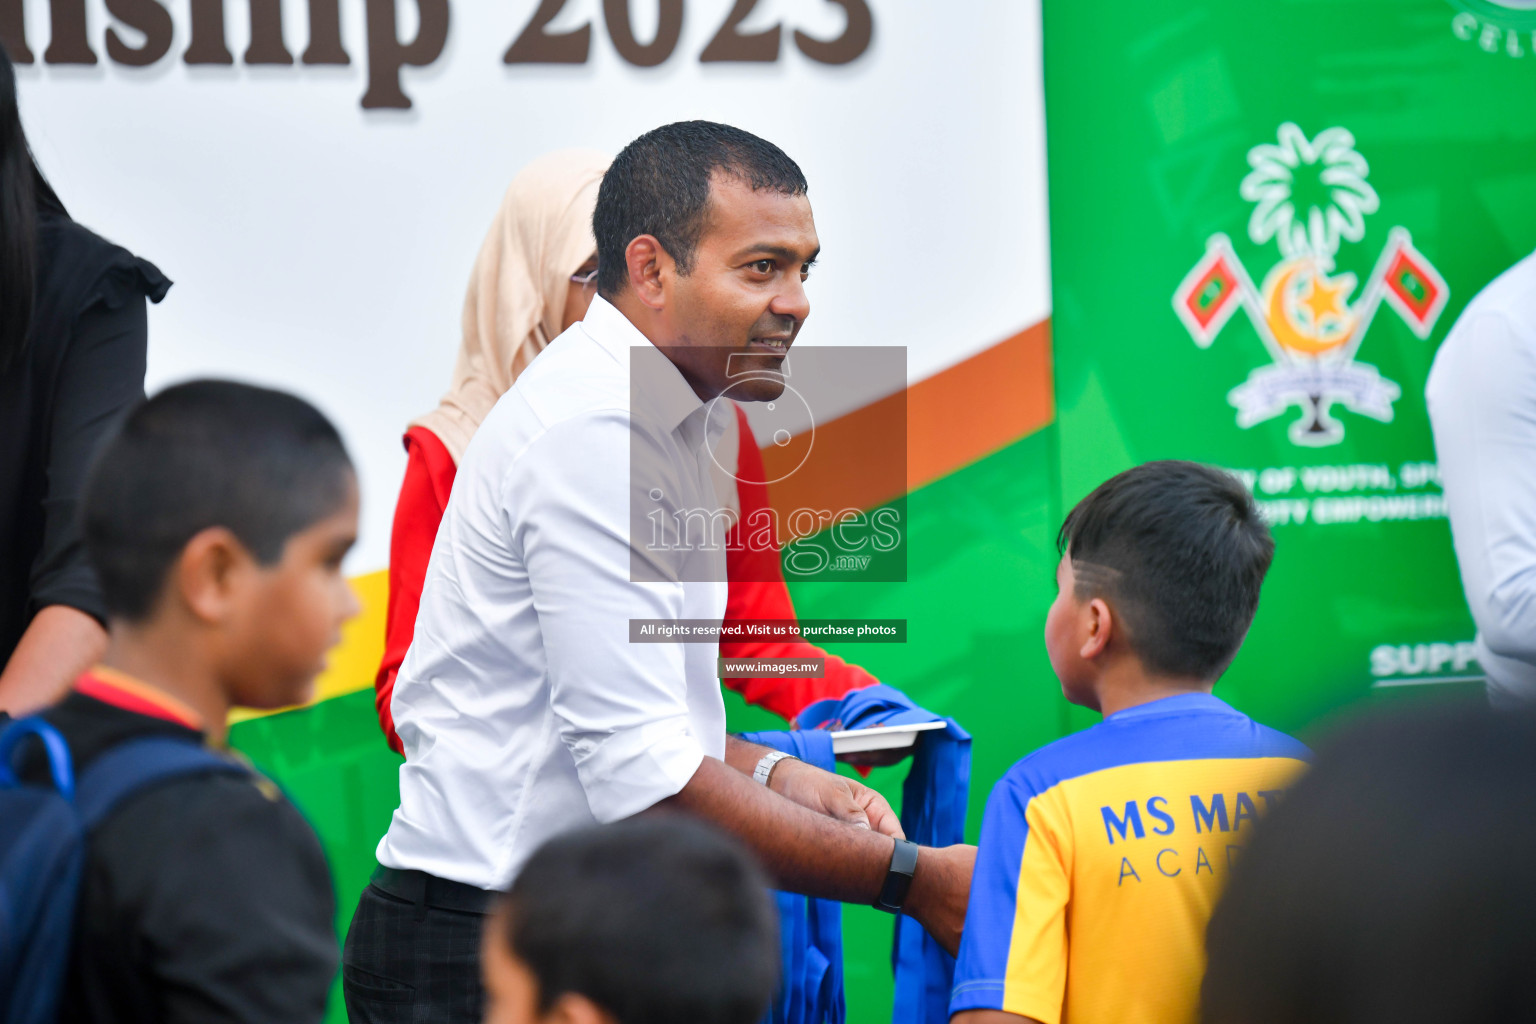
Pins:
<point x="1482" y="405"/>
<point x="523" y="708"/>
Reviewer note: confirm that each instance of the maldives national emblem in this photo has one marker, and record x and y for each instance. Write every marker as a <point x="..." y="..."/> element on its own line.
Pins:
<point x="1304" y="313"/>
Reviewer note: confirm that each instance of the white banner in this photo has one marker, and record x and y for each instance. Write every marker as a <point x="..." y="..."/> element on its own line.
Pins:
<point x="321" y="238"/>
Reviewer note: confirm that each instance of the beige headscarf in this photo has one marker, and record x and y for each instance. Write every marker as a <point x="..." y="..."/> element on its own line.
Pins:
<point x="542" y="233"/>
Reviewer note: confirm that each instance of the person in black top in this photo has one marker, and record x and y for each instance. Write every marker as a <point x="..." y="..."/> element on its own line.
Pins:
<point x="216" y="517"/>
<point x="204" y="899"/>
<point x="73" y="329"/>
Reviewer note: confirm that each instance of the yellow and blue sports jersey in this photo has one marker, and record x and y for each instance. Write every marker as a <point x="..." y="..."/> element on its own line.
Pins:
<point x="1101" y="858"/>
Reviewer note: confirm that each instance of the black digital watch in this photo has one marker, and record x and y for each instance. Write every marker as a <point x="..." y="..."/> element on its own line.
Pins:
<point x="899" y="878"/>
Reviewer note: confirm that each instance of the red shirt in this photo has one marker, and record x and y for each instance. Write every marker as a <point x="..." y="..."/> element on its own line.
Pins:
<point x="429" y="474"/>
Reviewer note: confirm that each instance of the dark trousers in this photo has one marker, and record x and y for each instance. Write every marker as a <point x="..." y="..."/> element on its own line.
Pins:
<point x="412" y="954"/>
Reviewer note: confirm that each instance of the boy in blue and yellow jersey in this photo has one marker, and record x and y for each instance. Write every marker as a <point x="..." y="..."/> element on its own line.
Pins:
<point x="1102" y="854"/>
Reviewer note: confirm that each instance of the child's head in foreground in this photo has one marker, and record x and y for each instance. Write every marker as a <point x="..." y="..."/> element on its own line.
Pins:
<point x="648" y="921"/>
<point x="216" y="516"/>
<point x="1159" y="579"/>
<point x="1392" y="884"/>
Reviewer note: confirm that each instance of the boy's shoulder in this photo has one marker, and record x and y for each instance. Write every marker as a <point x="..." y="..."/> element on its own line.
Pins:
<point x="1195" y="727"/>
<point x="220" y="855"/>
<point x="214" y="819"/>
<point x="192" y="877"/>
<point x="190" y="832"/>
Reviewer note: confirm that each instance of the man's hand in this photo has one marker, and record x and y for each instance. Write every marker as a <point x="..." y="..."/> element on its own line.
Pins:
<point x="941" y="891"/>
<point x="812" y="851"/>
<point x="836" y="797"/>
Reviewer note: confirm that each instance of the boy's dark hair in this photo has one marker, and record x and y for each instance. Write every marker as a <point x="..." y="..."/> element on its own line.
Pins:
<point x="659" y="185"/>
<point x="655" y="920"/>
<point x="1392" y="884"/>
<point x="263" y="464"/>
<point x="1180" y="550"/>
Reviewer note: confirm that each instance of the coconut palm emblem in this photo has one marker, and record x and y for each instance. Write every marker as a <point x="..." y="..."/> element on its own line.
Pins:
<point x="1310" y="196"/>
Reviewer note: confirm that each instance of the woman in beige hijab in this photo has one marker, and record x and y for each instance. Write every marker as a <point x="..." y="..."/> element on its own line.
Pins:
<point x="534" y="277"/>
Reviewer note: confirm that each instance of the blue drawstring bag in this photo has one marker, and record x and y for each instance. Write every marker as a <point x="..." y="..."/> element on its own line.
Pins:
<point x="810" y="930"/>
<point x="933" y="806"/>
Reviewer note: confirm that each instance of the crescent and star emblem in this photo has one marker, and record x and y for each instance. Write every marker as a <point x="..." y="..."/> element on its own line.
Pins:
<point x="1308" y="311"/>
<point x="1304" y="315"/>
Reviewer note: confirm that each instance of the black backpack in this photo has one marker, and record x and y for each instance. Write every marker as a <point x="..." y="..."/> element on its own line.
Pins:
<point x="43" y="834"/>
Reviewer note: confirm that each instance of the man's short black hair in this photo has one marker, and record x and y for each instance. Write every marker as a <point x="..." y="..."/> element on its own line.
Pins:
<point x="659" y="185"/>
<point x="655" y="920"/>
<point x="1392" y="884"/>
<point x="263" y="464"/>
<point x="1180" y="552"/>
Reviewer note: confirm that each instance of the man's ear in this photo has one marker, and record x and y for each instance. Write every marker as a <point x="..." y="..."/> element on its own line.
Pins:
<point x="207" y="576"/>
<point x="646" y="262"/>
<point x="1100" y="626"/>
<point x="576" y="1009"/>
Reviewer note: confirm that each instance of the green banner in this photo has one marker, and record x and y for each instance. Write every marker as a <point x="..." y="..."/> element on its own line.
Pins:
<point x="1264" y="219"/>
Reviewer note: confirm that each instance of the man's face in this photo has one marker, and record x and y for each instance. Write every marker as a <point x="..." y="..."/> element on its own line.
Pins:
<point x="290" y="614"/>
<point x="740" y="308"/>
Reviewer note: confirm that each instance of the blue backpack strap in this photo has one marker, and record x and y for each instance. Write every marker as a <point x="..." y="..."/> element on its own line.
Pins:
<point x="137" y="764"/>
<point x="59" y="762"/>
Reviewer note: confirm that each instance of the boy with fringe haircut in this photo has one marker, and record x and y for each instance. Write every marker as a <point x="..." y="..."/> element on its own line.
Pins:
<point x="1102" y="854"/>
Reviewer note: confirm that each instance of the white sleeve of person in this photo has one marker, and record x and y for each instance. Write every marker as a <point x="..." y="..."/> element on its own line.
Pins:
<point x="637" y="718"/>
<point x="1482" y="403"/>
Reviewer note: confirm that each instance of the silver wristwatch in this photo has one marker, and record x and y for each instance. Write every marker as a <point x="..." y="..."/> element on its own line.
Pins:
<point x="765" y="766"/>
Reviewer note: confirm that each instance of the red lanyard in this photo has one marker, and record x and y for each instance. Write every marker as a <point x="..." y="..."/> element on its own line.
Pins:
<point x="130" y="694"/>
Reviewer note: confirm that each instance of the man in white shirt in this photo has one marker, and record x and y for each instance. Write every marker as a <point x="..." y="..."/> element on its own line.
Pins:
<point x="523" y="708"/>
<point x="1482" y="406"/>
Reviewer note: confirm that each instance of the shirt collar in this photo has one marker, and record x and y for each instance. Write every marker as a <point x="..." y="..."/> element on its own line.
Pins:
<point x="1182" y="702"/>
<point x="666" y="399"/>
<point x="707" y="424"/>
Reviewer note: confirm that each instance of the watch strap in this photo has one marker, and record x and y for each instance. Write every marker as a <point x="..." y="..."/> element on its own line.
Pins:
<point x="898" y="879"/>
<point x="764" y="769"/>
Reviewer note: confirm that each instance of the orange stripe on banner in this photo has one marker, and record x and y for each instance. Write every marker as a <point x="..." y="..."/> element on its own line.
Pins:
<point x="957" y="416"/>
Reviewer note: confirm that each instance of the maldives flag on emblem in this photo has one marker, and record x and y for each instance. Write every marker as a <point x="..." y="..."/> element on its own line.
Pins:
<point x="1413" y="287"/>
<point x="1210" y="293"/>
